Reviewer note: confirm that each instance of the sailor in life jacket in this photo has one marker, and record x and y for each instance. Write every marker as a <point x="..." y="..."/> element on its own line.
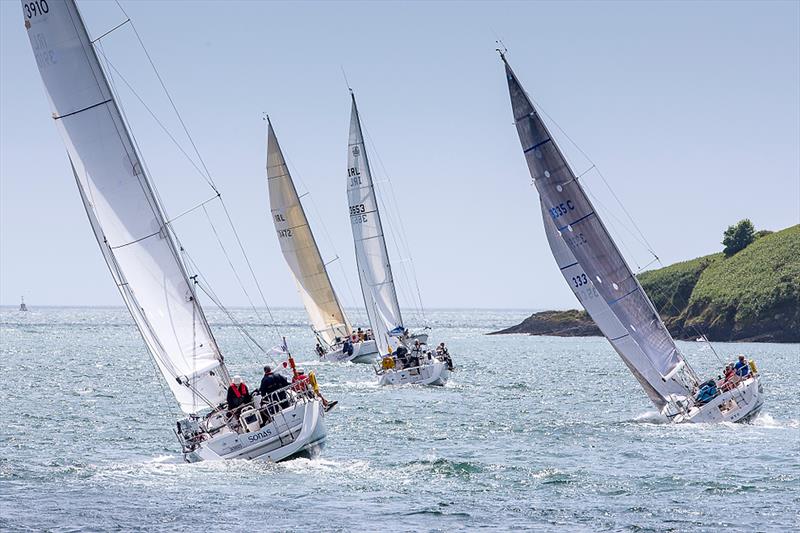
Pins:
<point x="237" y="393"/>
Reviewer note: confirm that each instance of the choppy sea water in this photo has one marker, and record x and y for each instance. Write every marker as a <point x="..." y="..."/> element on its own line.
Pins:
<point x="533" y="433"/>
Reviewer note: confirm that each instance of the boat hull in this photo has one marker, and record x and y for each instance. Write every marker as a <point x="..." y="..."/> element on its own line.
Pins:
<point x="363" y="352"/>
<point x="737" y="405"/>
<point x="435" y="373"/>
<point x="297" y="431"/>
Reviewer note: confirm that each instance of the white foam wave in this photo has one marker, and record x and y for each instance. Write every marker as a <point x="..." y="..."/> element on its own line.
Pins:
<point x="651" y="417"/>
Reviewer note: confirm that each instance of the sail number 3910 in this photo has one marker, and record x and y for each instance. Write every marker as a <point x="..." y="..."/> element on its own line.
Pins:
<point x="38" y="7"/>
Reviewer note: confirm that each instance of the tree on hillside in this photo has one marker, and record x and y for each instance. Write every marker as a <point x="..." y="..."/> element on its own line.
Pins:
<point x="738" y="237"/>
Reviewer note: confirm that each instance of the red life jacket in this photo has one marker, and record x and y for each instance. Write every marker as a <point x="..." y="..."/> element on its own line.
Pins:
<point x="239" y="391"/>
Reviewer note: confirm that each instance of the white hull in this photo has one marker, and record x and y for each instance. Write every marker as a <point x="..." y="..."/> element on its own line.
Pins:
<point x="737" y="405"/>
<point x="363" y="352"/>
<point x="295" y="431"/>
<point x="434" y="373"/>
<point x="421" y="337"/>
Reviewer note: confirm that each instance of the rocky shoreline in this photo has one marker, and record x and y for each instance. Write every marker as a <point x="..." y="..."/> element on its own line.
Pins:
<point x="752" y="296"/>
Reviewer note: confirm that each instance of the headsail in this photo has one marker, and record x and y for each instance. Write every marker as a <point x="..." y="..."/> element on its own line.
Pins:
<point x="123" y="210"/>
<point x="372" y="257"/>
<point x="300" y="249"/>
<point x="590" y="260"/>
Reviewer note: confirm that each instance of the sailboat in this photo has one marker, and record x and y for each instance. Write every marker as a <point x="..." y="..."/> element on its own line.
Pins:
<point x="406" y="357"/>
<point x="336" y="340"/>
<point x="22" y="306"/>
<point x="607" y="288"/>
<point x="145" y="262"/>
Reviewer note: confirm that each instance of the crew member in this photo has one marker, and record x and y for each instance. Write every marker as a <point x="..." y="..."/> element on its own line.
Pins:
<point x="238" y="394"/>
<point x="741" y="367"/>
<point x="273" y="382"/>
<point x="442" y="351"/>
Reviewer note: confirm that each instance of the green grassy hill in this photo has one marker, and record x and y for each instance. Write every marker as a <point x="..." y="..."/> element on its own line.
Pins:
<point x="753" y="295"/>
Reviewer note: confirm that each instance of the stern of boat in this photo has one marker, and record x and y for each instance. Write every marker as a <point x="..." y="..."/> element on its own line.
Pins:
<point x="739" y="404"/>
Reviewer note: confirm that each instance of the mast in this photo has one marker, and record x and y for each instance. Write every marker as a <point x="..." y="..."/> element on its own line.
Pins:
<point x="300" y="248"/>
<point x="372" y="256"/>
<point x="123" y="210"/>
<point x="592" y="264"/>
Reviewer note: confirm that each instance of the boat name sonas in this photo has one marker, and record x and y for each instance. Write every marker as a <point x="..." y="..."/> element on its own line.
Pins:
<point x="263" y="434"/>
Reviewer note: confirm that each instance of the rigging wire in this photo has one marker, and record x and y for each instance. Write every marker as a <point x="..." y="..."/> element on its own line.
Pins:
<point x="643" y="239"/>
<point x="169" y="97"/>
<point x="120" y="107"/>
<point x="216" y="301"/>
<point x="402" y="234"/>
<point x="318" y="216"/>
<point x="205" y="173"/>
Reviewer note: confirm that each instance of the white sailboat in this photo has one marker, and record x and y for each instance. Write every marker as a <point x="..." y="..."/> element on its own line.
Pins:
<point x="22" y="306"/>
<point x="406" y="357"/>
<point x="140" y="250"/>
<point x="603" y="282"/>
<point x="336" y="339"/>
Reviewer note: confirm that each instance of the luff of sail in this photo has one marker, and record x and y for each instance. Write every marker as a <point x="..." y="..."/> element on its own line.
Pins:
<point x="300" y="249"/>
<point x="372" y="257"/>
<point x="590" y="261"/>
<point x="123" y="210"/>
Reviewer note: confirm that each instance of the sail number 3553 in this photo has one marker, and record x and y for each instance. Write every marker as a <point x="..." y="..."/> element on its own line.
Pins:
<point x="358" y="214"/>
<point x="38" y="7"/>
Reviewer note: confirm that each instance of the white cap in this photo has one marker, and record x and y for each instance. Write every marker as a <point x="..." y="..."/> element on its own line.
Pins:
<point x="237" y="380"/>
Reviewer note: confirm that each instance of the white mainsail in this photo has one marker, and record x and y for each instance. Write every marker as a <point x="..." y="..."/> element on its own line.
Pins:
<point x="372" y="257"/>
<point x="591" y="262"/>
<point x="300" y="249"/>
<point x="127" y="220"/>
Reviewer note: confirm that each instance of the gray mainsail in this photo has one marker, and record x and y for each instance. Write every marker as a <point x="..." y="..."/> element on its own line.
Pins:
<point x="590" y="261"/>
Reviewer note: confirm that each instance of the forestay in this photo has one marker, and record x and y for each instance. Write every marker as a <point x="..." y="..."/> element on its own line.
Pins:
<point x="372" y="257"/>
<point x="300" y="249"/>
<point x="122" y="207"/>
<point x="590" y="261"/>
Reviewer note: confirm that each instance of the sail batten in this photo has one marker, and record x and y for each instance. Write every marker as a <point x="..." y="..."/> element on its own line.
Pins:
<point x="372" y="256"/>
<point x="590" y="260"/>
<point x="123" y="209"/>
<point x="300" y="248"/>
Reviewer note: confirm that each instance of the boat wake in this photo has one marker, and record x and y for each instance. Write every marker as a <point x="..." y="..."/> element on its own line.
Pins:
<point x="765" y="420"/>
<point x="650" y="417"/>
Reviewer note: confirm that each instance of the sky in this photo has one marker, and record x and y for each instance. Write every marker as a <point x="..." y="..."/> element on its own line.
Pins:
<point x="691" y="111"/>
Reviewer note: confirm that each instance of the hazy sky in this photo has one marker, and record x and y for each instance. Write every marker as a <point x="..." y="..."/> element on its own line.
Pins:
<point x="691" y="111"/>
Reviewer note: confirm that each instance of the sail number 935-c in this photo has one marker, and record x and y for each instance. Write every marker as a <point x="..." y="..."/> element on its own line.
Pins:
<point x="561" y="209"/>
<point x="35" y="8"/>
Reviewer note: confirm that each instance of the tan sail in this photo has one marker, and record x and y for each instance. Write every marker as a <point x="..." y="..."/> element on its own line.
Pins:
<point x="300" y="249"/>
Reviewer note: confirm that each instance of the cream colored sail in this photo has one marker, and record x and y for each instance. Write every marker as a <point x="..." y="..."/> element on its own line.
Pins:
<point x="300" y="249"/>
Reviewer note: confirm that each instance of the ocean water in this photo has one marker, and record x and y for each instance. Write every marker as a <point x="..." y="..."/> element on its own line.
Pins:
<point x="532" y="433"/>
